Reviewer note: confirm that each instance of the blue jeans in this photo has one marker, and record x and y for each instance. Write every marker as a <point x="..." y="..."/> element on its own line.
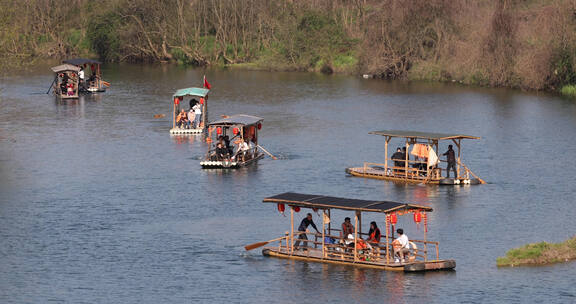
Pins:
<point x="197" y="120"/>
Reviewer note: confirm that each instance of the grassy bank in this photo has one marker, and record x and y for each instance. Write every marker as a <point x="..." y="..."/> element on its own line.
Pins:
<point x="540" y="254"/>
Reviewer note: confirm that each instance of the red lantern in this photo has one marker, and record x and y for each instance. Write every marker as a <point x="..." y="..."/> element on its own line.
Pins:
<point x="393" y="218"/>
<point x="417" y="217"/>
<point x="235" y="131"/>
<point x="296" y="208"/>
<point x="281" y="208"/>
<point x="176" y="100"/>
<point x="92" y="67"/>
<point x="218" y="130"/>
<point x="201" y="101"/>
<point x="259" y="126"/>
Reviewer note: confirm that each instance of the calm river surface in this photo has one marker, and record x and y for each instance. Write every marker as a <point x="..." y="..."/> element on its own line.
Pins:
<point x="99" y="204"/>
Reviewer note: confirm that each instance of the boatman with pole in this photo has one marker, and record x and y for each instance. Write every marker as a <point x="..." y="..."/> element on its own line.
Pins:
<point x="302" y="229"/>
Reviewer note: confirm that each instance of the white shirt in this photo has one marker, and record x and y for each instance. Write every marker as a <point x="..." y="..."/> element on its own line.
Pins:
<point x="191" y="115"/>
<point x="244" y="146"/>
<point x="197" y="109"/>
<point x="403" y="240"/>
<point x="81" y="74"/>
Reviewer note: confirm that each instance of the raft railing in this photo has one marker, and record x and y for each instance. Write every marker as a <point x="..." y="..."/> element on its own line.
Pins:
<point x="381" y="253"/>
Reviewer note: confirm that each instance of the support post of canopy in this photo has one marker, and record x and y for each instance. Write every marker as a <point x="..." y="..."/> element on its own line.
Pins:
<point x="425" y="236"/>
<point x="356" y="237"/>
<point x="386" y="154"/>
<point x="459" y="152"/>
<point x="359" y="215"/>
<point x="329" y="223"/>
<point x="323" y="233"/>
<point x="387" y="241"/>
<point x="457" y="143"/>
<point x="406" y="159"/>
<point x="291" y="230"/>
<point x="173" y="114"/>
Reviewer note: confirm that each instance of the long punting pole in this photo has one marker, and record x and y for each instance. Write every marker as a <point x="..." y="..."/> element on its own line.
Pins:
<point x="457" y="143"/>
<point x="291" y="230"/>
<point x="359" y="222"/>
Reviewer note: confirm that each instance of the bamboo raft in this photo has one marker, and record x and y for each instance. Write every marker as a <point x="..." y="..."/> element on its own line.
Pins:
<point x="418" y="171"/>
<point x="423" y="256"/>
<point x="237" y="128"/>
<point x="178" y="97"/>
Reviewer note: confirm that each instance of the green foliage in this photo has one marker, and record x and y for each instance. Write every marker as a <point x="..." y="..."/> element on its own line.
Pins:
<point x="103" y="35"/>
<point x="569" y="90"/>
<point x="563" y="65"/>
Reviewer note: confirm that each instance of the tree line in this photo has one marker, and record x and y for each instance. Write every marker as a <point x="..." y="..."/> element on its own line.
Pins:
<point x="527" y="44"/>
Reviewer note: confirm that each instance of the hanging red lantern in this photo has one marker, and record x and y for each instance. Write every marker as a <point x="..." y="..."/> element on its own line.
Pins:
<point x="235" y="131"/>
<point x="417" y="217"/>
<point x="201" y="100"/>
<point x="259" y="126"/>
<point x="92" y="67"/>
<point x="176" y="100"/>
<point x="281" y="208"/>
<point x="218" y="130"/>
<point x="296" y="208"/>
<point x="393" y="218"/>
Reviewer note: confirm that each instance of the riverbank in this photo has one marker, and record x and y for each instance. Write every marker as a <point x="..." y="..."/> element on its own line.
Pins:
<point x="539" y="254"/>
<point x="530" y="45"/>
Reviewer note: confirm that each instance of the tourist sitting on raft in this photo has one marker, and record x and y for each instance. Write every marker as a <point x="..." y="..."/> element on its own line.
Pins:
<point x="401" y="246"/>
<point x="243" y="150"/>
<point x="374" y="234"/>
<point x="221" y="153"/>
<point x="347" y="228"/>
<point x="182" y="120"/>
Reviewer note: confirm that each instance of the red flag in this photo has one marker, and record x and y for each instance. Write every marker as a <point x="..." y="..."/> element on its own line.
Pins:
<point x="206" y="84"/>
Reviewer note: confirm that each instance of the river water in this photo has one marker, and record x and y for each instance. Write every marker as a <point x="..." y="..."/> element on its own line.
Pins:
<point x="99" y="204"/>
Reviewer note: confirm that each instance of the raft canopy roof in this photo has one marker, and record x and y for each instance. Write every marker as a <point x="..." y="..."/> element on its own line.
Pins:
<point x="329" y="202"/>
<point x="64" y="68"/>
<point x="422" y="135"/>
<point x="81" y="61"/>
<point x="201" y="92"/>
<point x="239" y="119"/>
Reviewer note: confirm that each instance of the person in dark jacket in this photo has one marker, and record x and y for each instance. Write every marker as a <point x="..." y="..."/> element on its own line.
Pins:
<point x="398" y="158"/>
<point x="302" y="229"/>
<point x="221" y="152"/>
<point x="451" y="159"/>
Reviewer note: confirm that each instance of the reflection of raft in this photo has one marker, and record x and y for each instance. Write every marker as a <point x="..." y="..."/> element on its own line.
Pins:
<point x="406" y="170"/>
<point x="424" y="257"/>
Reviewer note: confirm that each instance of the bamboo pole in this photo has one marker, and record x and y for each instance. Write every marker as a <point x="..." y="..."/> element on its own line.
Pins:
<point x="323" y="233"/>
<point x="291" y="230"/>
<point x="387" y="242"/>
<point x="386" y="154"/>
<point x="406" y="159"/>
<point x="356" y="237"/>
<point x="426" y="236"/>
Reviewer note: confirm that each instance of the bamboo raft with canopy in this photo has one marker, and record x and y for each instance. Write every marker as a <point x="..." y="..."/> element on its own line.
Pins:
<point x="237" y="129"/>
<point x="66" y="82"/>
<point x="92" y="83"/>
<point x="423" y="256"/>
<point x="425" y="167"/>
<point x="202" y="101"/>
